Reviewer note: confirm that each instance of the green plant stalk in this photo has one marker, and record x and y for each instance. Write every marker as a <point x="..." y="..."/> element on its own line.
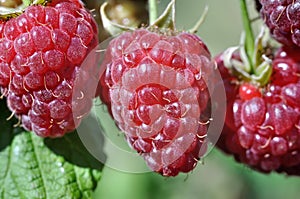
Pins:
<point x="152" y="11"/>
<point x="249" y="40"/>
<point x="27" y="2"/>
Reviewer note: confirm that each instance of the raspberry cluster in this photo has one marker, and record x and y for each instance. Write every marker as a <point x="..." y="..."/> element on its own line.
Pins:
<point x="41" y="52"/>
<point x="262" y="86"/>
<point x="262" y="124"/>
<point x="156" y="88"/>
<point x="282" y="18"/>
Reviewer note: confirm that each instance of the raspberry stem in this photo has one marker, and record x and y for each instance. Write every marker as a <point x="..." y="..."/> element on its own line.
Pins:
<point x="200" y="21"/>
<point x="249" y="40"/>
<point x="152" y="11"/>
<point x="27" y="2"/>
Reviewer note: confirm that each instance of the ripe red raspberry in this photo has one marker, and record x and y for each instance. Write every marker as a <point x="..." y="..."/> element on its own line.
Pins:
<point x="41" y="52"/>
<point x="282" y="17"/>
<point x="156" y="87"/>
<point x="262" y="124"/>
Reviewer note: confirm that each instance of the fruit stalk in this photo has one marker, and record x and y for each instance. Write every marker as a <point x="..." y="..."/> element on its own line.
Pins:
<point x="27" y="2"/>
<point x="152" y="11"/>
<point x="249" y="40"/>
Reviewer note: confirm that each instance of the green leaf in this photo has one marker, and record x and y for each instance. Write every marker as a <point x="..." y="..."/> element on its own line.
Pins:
<point x="76" y="153"/>
<point x="33" y="167"/>
<point x="28" y="169"/>
<point x="27" y="2"/>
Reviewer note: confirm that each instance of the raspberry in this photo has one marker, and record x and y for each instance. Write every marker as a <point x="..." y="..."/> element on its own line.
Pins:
<point x="262" y="124"/>
<point x="282" y="18"/>
<point x="156" y="88"/>
<point x="41" y="52"/>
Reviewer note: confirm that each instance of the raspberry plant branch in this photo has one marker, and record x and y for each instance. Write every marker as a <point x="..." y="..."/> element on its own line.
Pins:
<point x="195" y="28"/>
<point x="249" y="40"/>
<point x="27" y="2"/>
<point x="167" y="19"/>
<point x="152" y="11"/>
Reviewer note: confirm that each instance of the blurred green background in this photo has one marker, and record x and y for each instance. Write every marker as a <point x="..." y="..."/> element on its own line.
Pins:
<point x="219" y="177"/>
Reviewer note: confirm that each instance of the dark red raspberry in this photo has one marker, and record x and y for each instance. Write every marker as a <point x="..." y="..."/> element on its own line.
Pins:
<point x="262" y="124"/>
<point x="156" y="87"/>
<point x="41" y="52"/>
<point x="282" y="17"/>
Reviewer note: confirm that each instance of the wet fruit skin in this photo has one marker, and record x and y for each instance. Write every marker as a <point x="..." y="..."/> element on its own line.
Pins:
<point x="154" y="90"/>
<point x="263" y="131"/>
<point x="41" y="52"/>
